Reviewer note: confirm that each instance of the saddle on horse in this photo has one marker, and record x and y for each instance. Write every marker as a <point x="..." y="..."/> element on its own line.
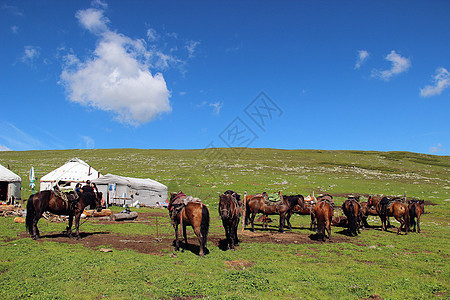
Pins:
<point x="178" y="203"/>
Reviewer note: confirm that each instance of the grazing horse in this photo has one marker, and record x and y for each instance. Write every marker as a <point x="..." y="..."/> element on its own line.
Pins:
<point x="415" y="209"/>
<point x="394" y="209"/>
<point x="230" y="212"/>
<point x="258" y="204"/>
<point x="366" y="211"/>
<point x="186" y="210"/>
<point x="323" y="213"/>
<point x="299" y="206"/>
<point x="55" y="203"/>
<point x="352" y="210"/>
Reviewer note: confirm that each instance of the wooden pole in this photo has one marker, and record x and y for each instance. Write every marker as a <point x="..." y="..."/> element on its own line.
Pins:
<point x="243" y="215"/>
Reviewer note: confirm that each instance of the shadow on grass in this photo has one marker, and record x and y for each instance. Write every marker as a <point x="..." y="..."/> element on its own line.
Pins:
<point x="320" y="238"/>
<point x="64" y="235"/>
<point x="195" y="249"/>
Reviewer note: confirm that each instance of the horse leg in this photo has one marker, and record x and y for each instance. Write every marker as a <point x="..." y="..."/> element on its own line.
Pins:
<point x="252" y="220"/>
<point x="313" y="224"/>
<point x="328" y="227"/>
<point x="288" y="220"/>
<point x="418" y="224"/>
<point x="177" y="241"/>
<point x="402" y="224"/>
<point x="69" y="226"/>
<point x="201" y="240"/>
<point x="227" y="234"/>
<point x="185" y="236"/>
<point x="35" y="235"/>
<point x="383" y="223"/>
<point x="77" y="226"/>
<point x="282" y="220"/>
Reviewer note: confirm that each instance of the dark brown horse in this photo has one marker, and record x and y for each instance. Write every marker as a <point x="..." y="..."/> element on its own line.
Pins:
<point x="323" y="214"/>
<point x="189" y="211"/>
<point x="352" y="210"/>
<point x="415" y="209"/>
<point x="298" y="206"/>
<point x="260" y="204"/>
<point x="387" y="208"/>
<point x="230" y="213"/>
<point x="55" y="203"/>
<point x="371" y="209"/>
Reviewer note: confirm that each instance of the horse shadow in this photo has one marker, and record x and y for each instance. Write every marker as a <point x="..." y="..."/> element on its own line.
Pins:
<point x="195" y="249"/>
<point x="223" y="244"/>
<point x="64" y="235"/>
<point x="319" y="238"/>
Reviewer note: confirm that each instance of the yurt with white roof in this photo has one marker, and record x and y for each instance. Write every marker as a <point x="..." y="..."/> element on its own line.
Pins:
<point x="68" y="175"/>
<point x="10" y="185"/>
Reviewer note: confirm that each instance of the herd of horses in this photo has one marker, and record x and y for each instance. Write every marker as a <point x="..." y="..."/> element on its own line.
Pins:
<point x="321" y="210"/>
<point x="188" y="211"/>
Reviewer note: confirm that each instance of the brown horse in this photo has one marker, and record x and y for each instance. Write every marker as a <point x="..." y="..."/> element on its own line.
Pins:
<point x="387" y="208"/>
<point x="323" y="213"/>
<point x="352" y="210"/>
<point x="189" y="211"/>
<point x="415" y="209"/>
<point x="258" y="204"/>
<point x="230" y="213"/>
<point x="55" y="203"/>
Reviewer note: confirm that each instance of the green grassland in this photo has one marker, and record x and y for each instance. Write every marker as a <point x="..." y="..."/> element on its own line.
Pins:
<point x="413" y="266"/>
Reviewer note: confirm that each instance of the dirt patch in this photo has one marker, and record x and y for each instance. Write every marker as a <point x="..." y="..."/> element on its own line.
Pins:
<point x="163" y="244"/>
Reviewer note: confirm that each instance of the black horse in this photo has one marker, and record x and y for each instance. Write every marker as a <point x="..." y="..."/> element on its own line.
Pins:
<point x="230" y="212"/>
<point x="59" y="204"/>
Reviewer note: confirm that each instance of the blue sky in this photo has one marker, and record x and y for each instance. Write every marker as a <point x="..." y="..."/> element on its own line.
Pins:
<point x="337" y="75"/>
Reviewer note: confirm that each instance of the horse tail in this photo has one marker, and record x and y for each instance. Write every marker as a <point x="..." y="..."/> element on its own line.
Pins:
<point x="352" y="218"/>
<point x="31" y="212"/>
<point x="204" y="225"/>
<point x="407" y="224"/>
<point x="247" y="210"/>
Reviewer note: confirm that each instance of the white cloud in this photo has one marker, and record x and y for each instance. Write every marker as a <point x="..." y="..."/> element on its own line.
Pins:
<point x="93" y="20"/>
<point x="31" y="53"/>
<point x="152" y="35"/>
<point x="4" y="148"/>
<point x="190" y="46"/>
<point x="89" y="142"/>
<point x="363" y="55"/>
<point x="399" y="65"/>
<point x="436" y="149"/>
<point x="117" y="78"/>
<point x="15" y="29"/>
<point x="217" y="106"/>
<point x="13" y="10"/>
<point x="17" y="139"/>
<point x="441" y="81"/>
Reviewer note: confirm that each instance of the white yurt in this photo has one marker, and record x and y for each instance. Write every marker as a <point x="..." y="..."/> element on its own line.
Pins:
<point x="10" y="185"/>
<point x="68" y="175"/>
<point x="133" y="192"/>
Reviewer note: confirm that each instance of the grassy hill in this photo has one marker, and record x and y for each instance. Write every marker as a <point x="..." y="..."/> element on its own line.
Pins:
<point x="207" y="172"/>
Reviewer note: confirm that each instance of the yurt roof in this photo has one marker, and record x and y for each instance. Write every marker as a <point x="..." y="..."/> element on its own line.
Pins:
<point x="73" y="170"/>
<point x="136" y="183"/>
<point x="8" y="175"/>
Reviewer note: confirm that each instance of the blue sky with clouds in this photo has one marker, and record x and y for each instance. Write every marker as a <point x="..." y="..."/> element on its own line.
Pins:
<point x="360" y="75"/>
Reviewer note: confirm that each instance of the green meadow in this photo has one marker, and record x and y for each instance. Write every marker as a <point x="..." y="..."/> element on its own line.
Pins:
<point x="375" y="264"/>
